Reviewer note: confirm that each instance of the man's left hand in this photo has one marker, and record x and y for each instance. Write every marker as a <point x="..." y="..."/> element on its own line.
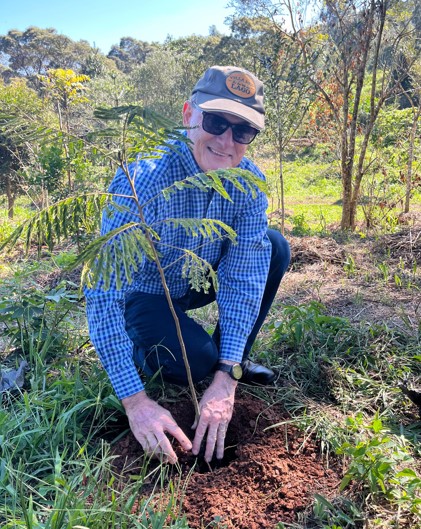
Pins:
<point x="216" y="409"/>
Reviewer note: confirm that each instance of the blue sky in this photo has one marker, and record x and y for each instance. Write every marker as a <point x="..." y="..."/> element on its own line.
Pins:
<point x="104" y="22"/>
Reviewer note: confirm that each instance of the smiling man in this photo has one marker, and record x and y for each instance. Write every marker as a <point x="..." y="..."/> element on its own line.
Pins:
<point x="132" y="327"/>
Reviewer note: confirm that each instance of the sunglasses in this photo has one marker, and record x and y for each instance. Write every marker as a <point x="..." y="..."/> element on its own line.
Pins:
<point x="217" y="125"/>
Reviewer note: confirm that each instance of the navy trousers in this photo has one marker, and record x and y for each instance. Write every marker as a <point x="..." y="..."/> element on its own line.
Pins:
<point x="151" y="327"/>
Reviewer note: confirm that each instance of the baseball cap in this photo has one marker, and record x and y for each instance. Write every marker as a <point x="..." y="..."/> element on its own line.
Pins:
<point x="232" y="90"/>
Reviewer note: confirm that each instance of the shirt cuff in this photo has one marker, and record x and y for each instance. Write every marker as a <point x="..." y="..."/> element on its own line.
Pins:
<point x="126" y="382"/>
<point x="232" y="348"/>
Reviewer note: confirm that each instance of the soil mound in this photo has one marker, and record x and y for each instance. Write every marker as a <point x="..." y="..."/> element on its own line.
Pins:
<point x="268" y="474"/>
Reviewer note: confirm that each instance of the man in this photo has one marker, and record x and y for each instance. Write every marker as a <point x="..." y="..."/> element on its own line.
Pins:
<point x="133" y="326"/>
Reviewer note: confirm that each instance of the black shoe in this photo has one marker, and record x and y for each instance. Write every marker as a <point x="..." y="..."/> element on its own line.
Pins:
<point x="256" y="374"/>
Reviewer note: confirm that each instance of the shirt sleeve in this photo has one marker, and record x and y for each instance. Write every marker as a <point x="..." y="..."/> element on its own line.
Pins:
<point x="242" y="275"/>
<point x="105" y="313"/>
<point x="105" y="308"/>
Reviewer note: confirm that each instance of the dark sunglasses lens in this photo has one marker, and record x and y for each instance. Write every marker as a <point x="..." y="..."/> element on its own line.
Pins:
<point x="214" y="124"/>
<point x="217" y="125"/>
<point x="243" y="133"/>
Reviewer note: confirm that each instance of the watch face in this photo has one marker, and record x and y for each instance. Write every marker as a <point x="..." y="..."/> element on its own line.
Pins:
<point x="237" y="371"/>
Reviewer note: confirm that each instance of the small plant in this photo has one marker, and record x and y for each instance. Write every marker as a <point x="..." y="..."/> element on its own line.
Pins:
<point x="304" y="325"/>
<point x="300" y="225"/>
<point x="349" y="266"/>
<point x="377" y="460"/>
<point x="340" y="514"/>
<point x="385" y="272"/>
<point x="35" y="321"/>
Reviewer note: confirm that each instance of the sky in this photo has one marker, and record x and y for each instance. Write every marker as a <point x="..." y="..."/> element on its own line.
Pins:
<point x="103" y="23"/>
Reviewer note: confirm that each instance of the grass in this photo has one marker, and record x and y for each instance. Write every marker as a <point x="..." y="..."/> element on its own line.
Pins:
<point x="313" y="194"/>
<point x="55" y="471"/>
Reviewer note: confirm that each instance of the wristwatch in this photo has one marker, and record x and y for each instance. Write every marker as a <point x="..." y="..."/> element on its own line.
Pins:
<point x="235" y="371"/>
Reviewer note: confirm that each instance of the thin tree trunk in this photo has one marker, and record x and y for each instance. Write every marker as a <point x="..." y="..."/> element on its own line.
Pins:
<point x="66" y="150"/>
<point x="408" y="177"/>
<point x="281" y="167"/>
<point x="10" y="198"/>
<point x="346" y="197"/>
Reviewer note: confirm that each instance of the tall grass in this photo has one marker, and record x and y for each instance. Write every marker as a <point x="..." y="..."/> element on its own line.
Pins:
<point x="56" y="471"/>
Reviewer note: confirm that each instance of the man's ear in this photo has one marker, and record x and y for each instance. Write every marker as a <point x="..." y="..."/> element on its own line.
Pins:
<point x="187" y="113"/>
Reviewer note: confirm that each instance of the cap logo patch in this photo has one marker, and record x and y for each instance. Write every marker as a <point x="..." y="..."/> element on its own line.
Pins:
<point x="241" y="84"/>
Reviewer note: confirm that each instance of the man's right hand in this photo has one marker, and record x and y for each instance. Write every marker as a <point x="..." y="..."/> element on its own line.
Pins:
<point x="149" y="423"/>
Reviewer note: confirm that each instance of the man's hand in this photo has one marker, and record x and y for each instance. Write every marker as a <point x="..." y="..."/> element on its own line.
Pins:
<point x="216" y="409"/>
<point x="149" y="421"/>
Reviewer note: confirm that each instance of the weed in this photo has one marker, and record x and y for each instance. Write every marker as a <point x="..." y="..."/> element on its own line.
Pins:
<point x="300" y="225"/>
<point x="349" y="266"/>
<point x="304" y="325"/>
<point x="384" y="270"/>
<point x="342" y="513"/>
<point x="35" y="321"/>
<point x="377" y="459"/>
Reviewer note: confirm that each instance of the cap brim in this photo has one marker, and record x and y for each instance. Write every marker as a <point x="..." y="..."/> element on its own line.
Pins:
<point x="217" y="104"/>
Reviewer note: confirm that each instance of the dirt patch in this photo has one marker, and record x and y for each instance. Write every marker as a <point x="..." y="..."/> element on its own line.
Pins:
<point x="373" y="287"/>
<point x="267" y="476"/>
<point x="309" y="250"/>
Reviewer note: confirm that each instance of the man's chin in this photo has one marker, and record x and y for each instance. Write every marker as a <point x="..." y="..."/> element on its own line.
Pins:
<point x="219" y="165"/>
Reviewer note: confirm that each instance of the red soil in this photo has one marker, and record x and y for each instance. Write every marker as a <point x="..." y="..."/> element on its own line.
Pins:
<point x="267" y="475"/>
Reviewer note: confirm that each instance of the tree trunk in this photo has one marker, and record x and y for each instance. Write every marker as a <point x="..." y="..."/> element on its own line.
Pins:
<point x="10" y="197"/>
<point x="281" y="166"/>
<point x="408" y="178"/>
<point x="346" y="221"/>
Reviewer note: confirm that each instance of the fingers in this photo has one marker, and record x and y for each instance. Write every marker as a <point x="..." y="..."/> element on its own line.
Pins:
<point x="149" y="424"/>
<point x="211" y="442"/>
<point x="215" y="438"/>
<point x="200" y="435"/>
<point x="179" y="435"/>
<point x="157" y="445"/>
<point x="165" y="449"/>
<point x="220" y="440"/>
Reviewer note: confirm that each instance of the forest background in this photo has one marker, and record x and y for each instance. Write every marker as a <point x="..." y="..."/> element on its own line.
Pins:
<point x="341" y="152"/>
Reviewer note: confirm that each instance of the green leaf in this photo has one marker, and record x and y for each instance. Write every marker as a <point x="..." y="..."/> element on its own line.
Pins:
<point x="208" y="228"/>
<point x="345" y="482"/>
<point x="377" y="425"/>
<point x="61" y="219"/>
<point x="407" y="473"/>
<point x="243" y="180"/>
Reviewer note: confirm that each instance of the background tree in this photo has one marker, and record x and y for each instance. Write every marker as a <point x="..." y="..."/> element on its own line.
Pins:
<point x="15" y="154"/>
<point x="195" y="54"/>
<point x="35" y="51"/>
<point x="349" y="45"/>
<point x="278" y="60"/>
<point x="130" y="53"/>
<point x="409" y="78"/>
<point x="66" y="89"/>
<point x="354" y="59"/>
<point x="160" y="84"/>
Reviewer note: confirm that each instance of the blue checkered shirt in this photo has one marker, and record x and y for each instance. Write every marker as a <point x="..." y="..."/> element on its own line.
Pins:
<point x="242" y="268"/>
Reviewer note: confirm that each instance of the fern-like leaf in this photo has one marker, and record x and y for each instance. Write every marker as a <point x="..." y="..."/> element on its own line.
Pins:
<point x="145" y="131"/>
<point x="209" y="228"/>
<point x="25" y="128"/>
<point x="245" y="181"/>
<point x="117" y="253"/>
<point x="59" y="221"/>
<point x="199" y="272"/>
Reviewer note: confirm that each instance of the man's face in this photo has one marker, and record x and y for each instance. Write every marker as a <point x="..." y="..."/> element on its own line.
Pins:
<point x="213" y="152"/>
